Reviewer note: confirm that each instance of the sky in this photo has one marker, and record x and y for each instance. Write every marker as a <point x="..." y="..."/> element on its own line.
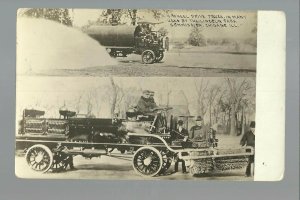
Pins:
<point x="52" y="92"/>
<point x="245" y="23"/>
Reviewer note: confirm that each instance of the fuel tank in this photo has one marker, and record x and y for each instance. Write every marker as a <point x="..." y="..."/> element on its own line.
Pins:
<point x="113" y="36"/>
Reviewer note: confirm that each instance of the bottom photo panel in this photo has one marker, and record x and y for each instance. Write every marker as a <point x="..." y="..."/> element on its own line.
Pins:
<point x="138" y="128"/>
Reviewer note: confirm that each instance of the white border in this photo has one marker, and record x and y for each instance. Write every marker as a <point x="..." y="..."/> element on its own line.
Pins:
<point x="270" y="99"/>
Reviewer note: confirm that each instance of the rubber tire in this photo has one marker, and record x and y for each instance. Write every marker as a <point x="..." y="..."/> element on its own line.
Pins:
<point x="150" y="61"/>
<point x="47" y="150"/>
<point x="160" y="159"/>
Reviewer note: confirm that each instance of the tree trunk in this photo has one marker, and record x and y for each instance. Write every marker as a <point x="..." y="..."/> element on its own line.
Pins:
<point x="114" y="97"/>
<point x="237" y="123"/>
<point x="242" y="122"/>
<point x="232" y="121"/>
<point x="209" y="115"/>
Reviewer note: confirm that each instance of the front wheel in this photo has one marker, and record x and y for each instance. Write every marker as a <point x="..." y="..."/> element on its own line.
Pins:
<point x="39" y="157"/>
<point x="147" y="161"/>
<point x="148" y="57"/>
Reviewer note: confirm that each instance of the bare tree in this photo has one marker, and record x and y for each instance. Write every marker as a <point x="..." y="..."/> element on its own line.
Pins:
<point x="116" y="95"/>
<point x="237" y="92"/>
<point x="218" y="106"/>
<point x="96" y="101"/>
<point x="212" y="94"/>
<point x="77" y="103"/>
<point x="169" y="91"/>
<point x="113" y="97"/>
<point x="187" y="103"/>
<point x="89" y="104"/>
<point x="201" y="92"/>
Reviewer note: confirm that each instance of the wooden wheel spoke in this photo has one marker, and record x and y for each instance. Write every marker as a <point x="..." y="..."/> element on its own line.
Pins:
<point x="147" y="161"/>
<point x="39" y="158"/>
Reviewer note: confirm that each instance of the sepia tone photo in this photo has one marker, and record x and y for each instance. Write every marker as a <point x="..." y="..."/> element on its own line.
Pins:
<point x="136" y="42"/>
<point x="135" y="94"/>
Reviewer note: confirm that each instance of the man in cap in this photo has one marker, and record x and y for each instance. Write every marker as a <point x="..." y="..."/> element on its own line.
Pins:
<point x="146" y="104"/>
<point x="198" y="132"/>
<point x="248" y="139"/>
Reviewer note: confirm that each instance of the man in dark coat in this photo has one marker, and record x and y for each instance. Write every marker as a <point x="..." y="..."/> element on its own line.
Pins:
<point x="151" y="99"/>
<point x="198" y="132"/>
<point x="181" y="133"/>
<point x="138" y="34"/>
<point x="248" y="139"/>
<point x="146" y="104"/>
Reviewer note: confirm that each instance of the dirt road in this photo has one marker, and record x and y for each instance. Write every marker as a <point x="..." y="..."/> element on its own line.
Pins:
<point x="116" y="169"/>
<point x="185" y="64"/>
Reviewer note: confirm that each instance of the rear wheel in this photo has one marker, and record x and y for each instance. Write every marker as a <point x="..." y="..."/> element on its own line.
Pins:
<point x="60" y="162"/>
<point x="39" y="158"/>
<point x="148" y="57"/>
<point x="147" y="161"/>
<point x="167" y="160"/>
<point x="159" y="56"/>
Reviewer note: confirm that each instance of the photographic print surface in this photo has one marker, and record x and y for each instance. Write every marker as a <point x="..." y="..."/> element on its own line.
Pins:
<point x="135" y="94"/>
<point x="136" y="42"/>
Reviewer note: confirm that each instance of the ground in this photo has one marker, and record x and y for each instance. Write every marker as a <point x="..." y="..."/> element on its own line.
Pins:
<point x="114" y="168"/>
<point x="175" y="63"/>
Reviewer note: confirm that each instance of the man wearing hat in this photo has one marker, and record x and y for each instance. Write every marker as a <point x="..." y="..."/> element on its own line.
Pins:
<point x="198" y="131"/>
<point x="181" y="132"/>
<point x="248" y="139"/>
<point x="146" y="104"/>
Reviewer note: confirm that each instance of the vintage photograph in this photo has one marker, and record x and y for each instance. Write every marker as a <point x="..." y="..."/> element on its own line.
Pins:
<point x="136" y="42"/>
<point x="135" y="94"/>
<point x="132" y="128"/>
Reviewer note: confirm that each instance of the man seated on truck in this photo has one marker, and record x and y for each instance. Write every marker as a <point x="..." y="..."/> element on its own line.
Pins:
<point x="198" y="132"/>
<point x="138" y="34"/>
<point x="152" y="101"/>
<point x="181" y="132"/>
<point x="146" y="104"/>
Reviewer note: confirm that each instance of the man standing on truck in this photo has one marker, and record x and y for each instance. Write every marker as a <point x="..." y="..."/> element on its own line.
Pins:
<point x="248" y="139"/>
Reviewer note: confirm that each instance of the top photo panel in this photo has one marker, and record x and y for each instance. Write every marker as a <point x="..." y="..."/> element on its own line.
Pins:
<point x="136" y="42"/>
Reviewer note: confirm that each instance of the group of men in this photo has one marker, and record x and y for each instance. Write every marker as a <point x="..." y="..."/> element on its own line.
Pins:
<point x="197" y="131"/>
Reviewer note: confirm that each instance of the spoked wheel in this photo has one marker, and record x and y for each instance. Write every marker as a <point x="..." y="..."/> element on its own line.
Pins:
<point x="147" y="161"/>
<point x="167" y="160"/>
<point x="39" y="158"/>
<point x="113" y="53"/>
<point x="60" y="162"/>
<point x="159" y="56"/>
<point x="148" y="57"/>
